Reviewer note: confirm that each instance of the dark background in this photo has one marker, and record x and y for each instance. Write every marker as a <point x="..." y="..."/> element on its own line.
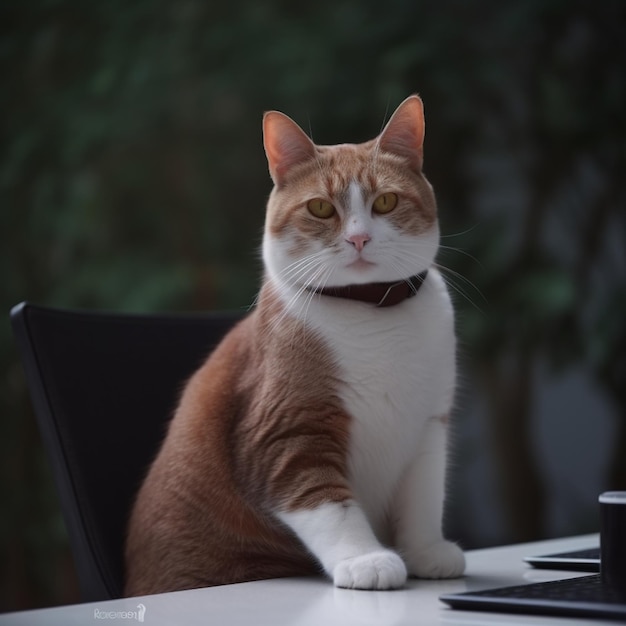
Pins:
<point x="132" y="178"/>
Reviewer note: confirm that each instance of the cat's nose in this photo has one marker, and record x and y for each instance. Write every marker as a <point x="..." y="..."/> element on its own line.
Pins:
<point x="359" y="241"/>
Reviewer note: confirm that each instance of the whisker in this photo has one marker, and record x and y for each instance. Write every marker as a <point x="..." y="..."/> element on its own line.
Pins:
<point x="403" y="271"/>
<point x="411" y="255"/>
<point x="463" y="232"/>
<point x="307" y="274"/>
<point x="254" y="302"/>
<point x="303" y="260"/>
<point x="466" y="280"/>
<point x="309" y="294"/>
<point x="446" y="249"/>
<point x="298" y="270"/>
<point x="408" y="251"/>
<point x="300" y="273"/>
<point x="382" y="127"/>
<point x="459" y="289"/>
<point x="321" y="278"/>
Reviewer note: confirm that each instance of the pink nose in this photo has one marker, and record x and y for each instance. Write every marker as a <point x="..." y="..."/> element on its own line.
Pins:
<point x="359" y="241"/>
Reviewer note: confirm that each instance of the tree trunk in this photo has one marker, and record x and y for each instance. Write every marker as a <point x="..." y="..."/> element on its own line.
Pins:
<point x="509" y="393"/>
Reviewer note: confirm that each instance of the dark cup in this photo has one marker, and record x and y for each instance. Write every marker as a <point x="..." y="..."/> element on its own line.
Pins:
<point x="613" y="538"/>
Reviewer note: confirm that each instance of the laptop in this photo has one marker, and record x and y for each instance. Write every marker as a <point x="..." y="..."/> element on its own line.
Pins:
<point x="587" y="560"/>
<point x="584" y="596"/>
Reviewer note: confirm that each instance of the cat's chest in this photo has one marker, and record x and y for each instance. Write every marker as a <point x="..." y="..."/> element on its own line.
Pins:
<point x="396" y="370"/>
<point x="396" y="363"/>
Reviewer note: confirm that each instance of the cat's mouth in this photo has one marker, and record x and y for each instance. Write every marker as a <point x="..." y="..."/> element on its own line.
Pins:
<point x="360" y="264"/>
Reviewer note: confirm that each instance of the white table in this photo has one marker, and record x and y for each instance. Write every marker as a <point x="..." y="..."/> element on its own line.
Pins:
<point x="315" y="602"/>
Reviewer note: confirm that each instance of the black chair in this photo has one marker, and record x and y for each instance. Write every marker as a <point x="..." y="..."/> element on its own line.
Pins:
<point x="104" y="387"/>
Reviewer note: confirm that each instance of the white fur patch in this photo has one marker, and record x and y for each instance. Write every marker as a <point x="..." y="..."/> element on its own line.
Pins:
<point x="358" y="217"/>
<point x="341" y="538"/>
<point x="396" y="379"/>
<point x="398" y="371"/>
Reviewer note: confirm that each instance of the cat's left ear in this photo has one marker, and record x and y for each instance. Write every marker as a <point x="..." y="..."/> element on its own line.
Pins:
<point x="286" y="145"/>
<point x="404" y="133"/>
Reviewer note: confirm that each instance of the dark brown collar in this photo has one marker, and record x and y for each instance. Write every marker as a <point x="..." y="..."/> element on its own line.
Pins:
<point x="380" y="294"/>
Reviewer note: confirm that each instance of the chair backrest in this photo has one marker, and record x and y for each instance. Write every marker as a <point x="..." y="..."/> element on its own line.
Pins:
<point x="104" y="386"/>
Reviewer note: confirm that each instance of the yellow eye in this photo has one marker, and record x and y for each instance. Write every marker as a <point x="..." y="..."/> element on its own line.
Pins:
<point x="385" y="203"/>
<point x="320" y="208"/>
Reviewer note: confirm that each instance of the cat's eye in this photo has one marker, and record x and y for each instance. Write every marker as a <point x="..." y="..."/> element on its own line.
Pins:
<point x="320" y="208"/>
<point x="385" y="203"/>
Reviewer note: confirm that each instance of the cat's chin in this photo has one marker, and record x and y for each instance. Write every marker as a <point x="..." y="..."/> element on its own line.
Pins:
<point x="361" y="272"/>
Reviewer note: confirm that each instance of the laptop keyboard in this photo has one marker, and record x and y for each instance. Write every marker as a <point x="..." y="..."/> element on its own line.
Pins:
<point x="584" y="596"/>
<point x="585" y="589"/>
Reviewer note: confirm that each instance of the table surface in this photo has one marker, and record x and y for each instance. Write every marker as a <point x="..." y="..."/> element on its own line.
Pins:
<point x="314" y="601"/>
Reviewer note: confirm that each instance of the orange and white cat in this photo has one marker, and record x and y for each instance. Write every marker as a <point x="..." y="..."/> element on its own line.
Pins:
<point x="314" y="437"/>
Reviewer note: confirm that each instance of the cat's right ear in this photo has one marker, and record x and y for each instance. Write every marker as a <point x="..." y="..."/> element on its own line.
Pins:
<point x="286" y="145"/>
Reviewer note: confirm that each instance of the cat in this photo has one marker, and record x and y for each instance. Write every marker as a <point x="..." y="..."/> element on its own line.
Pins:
<point x="313" y="439"/>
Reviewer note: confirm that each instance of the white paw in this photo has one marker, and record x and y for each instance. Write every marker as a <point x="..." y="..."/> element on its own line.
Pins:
<point x="382" y="569"/>
<point x="443" y="559"/>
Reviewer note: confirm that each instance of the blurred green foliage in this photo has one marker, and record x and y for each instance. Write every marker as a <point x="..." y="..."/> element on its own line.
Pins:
<point x="132" y="177"/>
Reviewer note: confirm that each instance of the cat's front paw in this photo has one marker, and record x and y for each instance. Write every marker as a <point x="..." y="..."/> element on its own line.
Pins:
<point x="382" y="569"/>
<point x="443" y="559"/>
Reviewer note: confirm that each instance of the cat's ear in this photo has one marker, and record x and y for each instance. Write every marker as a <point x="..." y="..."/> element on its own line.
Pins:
<point x="286" y="145"/>
<point x="404" y="133"/>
